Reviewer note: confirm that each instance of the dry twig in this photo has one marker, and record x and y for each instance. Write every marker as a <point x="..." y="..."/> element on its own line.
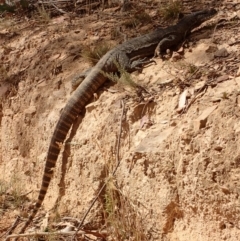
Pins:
<point x="114" y="172"/>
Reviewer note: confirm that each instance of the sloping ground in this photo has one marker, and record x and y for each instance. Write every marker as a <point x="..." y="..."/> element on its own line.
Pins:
<point x="179" y="174"/>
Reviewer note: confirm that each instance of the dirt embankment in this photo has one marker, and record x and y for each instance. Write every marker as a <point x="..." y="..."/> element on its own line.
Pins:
<point x="179" y="174"/>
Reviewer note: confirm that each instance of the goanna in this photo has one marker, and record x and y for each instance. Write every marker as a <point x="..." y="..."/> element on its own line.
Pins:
<point x="130" y="55"/>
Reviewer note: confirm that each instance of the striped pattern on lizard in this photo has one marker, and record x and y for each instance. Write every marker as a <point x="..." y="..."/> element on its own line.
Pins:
<point x="130" y="55"/>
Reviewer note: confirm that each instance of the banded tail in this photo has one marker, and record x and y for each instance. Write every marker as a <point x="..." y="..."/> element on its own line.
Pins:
<point x="72" y="109"/>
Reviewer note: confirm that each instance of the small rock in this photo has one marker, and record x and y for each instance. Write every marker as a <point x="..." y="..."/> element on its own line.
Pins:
<point x="222" y="78"/>
<point x="181" y="50"/>
<point x="199" y="85"/>
<point x="201" y="121"/>
<point x="8" y="112"/>
<point x="23" y="214"/>
<point x="173" y="123"/>
<point x="215" y="99"/>
<point x="231" y="41"/>
<point x="171" y="93"/>
<point x="16" y="212"/>
<point x="152" y="142"/>
<point x="182" y="100"/>
<point x="237" y="127"/>
<point x="67" y="229"/>
<point x="30" y="111"/>
<point x="141" y="77"/>
<point x="218" y="148"/>
<point x="237" y="80"/>
<point x="221" y="53"/>
<point x="164" y="122"/>
<point x="176" y="56"/>
<point x="29" y="114"/>
<point x="211" y="49"/>
<point x="94" y="38"/>
<point x="238" y="72"/>
<point x="225" y="190"/>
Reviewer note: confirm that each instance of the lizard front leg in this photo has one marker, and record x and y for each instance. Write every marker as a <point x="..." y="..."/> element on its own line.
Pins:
<point x="140" y="63"/>
<point x="165" y="43"/>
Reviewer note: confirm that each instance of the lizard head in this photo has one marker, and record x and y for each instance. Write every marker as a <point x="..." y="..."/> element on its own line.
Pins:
<point x="195" y="19"/>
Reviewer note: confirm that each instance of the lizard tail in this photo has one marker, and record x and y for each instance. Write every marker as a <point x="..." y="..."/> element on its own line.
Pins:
<point x="59" y="135"/>
<point x="75" y="104"/>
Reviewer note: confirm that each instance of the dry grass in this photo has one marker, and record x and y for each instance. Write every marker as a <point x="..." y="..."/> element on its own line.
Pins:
<point x="121" y="218"/>
<point x="43" y="15"/>
<point x="93" y="55"/>
<point x="3" y="73"/>
<point x="171" y="10"/>
<point x="11" y="194"/>
<point x="122" y="77"/>
<point x="130" y="23"/>
<point x="138" y="18"/>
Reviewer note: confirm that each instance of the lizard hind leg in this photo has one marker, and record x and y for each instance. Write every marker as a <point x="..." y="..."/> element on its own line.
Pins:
<point x="78" y="78"/>
<point x="164" y="44"/>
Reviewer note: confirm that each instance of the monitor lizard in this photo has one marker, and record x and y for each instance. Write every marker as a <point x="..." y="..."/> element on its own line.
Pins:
<point x="130" y="55"/>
